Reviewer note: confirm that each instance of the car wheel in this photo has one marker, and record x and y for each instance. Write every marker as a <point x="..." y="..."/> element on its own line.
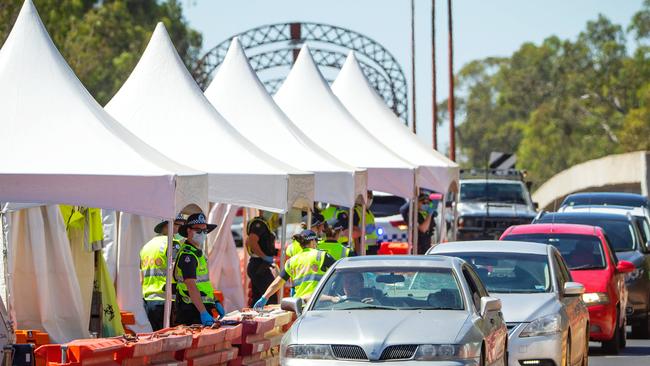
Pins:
<point x="585" y="354"/>
<point x="641" y="328"/>
<point x="613" y="346"/>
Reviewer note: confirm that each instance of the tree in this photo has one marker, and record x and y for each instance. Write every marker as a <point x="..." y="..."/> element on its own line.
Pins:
<point x="561" y="102"/>
<point x="103" y="40"/>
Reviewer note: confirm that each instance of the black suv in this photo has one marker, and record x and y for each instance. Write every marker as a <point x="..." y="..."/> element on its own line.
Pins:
<point x="626" y="240"/>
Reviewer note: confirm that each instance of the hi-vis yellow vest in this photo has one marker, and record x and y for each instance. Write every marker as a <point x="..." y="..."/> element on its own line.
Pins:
<point x="203" y="283"/>
<point x="153" y="265"/>
<point x="305" y="271"/>
<point x="334" y="248"/>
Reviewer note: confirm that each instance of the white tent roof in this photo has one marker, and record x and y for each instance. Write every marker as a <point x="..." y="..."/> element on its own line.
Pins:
<point x="241" y="98"/>
<point x="435" y="171"/>
<point x="309" y="102"/>
<point x="59" y="146"/>
<point x="163" y="105"/>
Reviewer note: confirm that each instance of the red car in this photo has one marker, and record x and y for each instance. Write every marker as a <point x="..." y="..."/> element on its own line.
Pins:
<point x="593" y="263"/>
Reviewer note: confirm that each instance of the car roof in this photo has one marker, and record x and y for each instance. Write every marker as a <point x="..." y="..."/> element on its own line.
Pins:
<point x="592" y="215"/>
<point x="620" y="198"/>
<point x="399" y="261"/>
<point x="490" y="246"/>
<point x="497" y="181"/>
<point x="636" y="211"/>
<point x="554" y="228"/>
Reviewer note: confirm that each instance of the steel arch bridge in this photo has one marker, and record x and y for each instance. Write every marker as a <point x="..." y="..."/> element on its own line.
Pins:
<point x="272" y="49"/>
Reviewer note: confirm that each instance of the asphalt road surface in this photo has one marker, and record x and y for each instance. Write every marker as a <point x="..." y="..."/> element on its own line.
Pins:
<point x="637" y="353"/>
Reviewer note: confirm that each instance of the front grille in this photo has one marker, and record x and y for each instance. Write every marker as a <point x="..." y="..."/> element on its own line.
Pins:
<point x="346" y="352"/>
<point x="402" y="352"/>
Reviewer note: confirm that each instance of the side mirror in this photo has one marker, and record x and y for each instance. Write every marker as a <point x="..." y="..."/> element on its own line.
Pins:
<point x="625" y="267"/>
<point x="573" y="289"/>
<point x="292" y="304"/>
<point x="489" y="304"/>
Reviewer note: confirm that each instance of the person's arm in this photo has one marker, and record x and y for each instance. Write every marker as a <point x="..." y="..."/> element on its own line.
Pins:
<point x="423" y="227"/>
<point x="195" y="295"/>
<point x="274" y="287"/>
<point x="253" y="243"/>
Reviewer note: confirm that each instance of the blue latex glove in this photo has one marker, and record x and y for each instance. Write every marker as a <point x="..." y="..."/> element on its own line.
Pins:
<point x="370" y="228"/>
<point x="206" y="319"/>
<point x="269" y="259"/>
<point x="259" y="305"/>
<point x="220" y="309"/>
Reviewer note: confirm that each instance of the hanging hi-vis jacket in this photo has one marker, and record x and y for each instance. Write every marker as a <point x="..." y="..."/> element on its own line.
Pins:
<point x="305" y="270"/>
<point x="334" y="248"/>
<point x="203" y="283"/>
<point x="153" y="266"/>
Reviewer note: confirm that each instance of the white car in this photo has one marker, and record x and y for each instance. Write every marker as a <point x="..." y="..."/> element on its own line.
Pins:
<point x="548" y="323"/>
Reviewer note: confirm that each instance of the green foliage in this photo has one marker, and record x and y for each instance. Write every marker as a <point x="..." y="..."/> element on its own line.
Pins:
<point x="561" y="102"/>
<point x="102" y="40"/>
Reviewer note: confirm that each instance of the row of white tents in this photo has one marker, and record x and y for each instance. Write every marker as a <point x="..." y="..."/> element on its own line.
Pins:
<point x="162" y="144"/>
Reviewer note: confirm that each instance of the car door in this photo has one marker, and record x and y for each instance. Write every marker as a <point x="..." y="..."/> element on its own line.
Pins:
<point x="492" y="324"/>
<point x="575" y="310"/>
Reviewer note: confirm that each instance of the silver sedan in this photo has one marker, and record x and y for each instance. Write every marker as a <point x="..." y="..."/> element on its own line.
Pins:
<point x="419" y="310"/>
<point x="547" y="321"/>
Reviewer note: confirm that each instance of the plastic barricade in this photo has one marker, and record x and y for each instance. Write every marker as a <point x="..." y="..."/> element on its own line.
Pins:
<point x="390" y="248"/>
<point x="103" y="351"/>
<point x="35" y="337"/>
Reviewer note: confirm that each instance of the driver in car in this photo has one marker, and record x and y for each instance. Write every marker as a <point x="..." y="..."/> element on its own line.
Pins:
<point x="352" y="288"/>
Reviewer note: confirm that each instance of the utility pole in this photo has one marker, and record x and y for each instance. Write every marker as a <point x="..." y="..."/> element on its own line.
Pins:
<point x="451" y="103"/>
<point x="414" y="126"/>
<point x="434" y="107"/>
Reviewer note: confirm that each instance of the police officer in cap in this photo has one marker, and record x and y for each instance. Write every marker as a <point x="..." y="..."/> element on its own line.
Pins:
<point x="153" y="270"/>
<point x="426" y="223"/>
<point x="331" y="244"/>
<point x="195" y="302"/>
<point x="317" y="226"/>
<point x="260" y="245"/>
<point x="305" y="269"/>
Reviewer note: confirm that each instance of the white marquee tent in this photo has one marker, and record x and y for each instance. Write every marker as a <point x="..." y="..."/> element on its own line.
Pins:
<point x="162" y="104"/>
<point x="241" y="98"/>
<point x="60" y="146"/>
<point x="435" y="171"/>
<point x="309" y="102"/>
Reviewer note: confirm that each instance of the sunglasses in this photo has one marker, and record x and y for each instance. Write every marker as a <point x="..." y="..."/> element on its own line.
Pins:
<point x="199" y="231"/>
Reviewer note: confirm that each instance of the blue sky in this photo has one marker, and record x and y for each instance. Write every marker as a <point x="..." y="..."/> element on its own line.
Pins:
<point x="482" y="28"/>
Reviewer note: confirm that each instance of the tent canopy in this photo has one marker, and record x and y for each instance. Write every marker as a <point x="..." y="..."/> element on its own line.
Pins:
<point x="435" y="171"/>
<point x="60" y="146"/>
<point x="309" y="102"/>
<point x="163" y="105"/>
<point x="240" y="97"/>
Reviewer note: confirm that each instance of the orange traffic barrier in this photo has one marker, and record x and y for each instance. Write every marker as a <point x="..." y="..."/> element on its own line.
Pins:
<point x="35" y="337"/>
<point x="95" y="351"/>
<point x="389" y="248"/>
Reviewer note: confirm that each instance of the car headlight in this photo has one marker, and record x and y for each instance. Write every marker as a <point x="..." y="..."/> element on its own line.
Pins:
<point x="595" y="298"/>
<point x="546" y="325"/>
<point x="634" y="275"/>
<point x="438" y="352"/>
<point x="309" y="351"/>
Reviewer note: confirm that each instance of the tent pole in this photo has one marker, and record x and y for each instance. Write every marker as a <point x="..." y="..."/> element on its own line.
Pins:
<point x="416" y="231"/>
<point x="351" y="242"/>
<point x="170" y="272"/>
<point x="410" y="227"/>
<point x="283" y="246"/>
<point x="5" y="258"/>
<point x="362" y="238"/>
<point x="309" y="217"/>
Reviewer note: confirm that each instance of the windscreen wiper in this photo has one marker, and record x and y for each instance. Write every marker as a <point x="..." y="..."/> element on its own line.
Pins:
<point x="371" y="307"/>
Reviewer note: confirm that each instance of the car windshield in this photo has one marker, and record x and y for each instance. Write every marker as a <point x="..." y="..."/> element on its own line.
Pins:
<point x="510" y="272"/>
<point x="390" y="288"/>
<point x="600" y="200"/>
<point x="579" y="251"/>
<point x="492" y="192"/>
<point x="383" y="206"/>
<point x="621" y="233"/>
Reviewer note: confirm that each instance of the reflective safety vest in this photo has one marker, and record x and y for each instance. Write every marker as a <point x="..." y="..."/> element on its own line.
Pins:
<point x="371" y="229"/>
<point x="334" y="248"/>
<point x="329" y="212"/>
<point x="153" y="266"/>
<point x="293" y="249"/>
<point x="203" y="283"/>
<point x="305" y="271"/>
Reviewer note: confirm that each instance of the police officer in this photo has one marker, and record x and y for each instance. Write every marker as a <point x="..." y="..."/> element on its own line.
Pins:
<point x="305" y="270"/>
<point x="372" y="245"/>
<point x="195" y="302"/>
<point x="426" y="222"/>
<point x="331" y="243"/>
<point x="260" y="245"/>
<point x="317" y="226"/>
<point x="153" y="270"/>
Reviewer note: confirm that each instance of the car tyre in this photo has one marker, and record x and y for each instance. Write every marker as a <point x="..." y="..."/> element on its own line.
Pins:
<point x="641" y="329"/>
<point x="585" y="354"/>
<point x="613" y="346"/>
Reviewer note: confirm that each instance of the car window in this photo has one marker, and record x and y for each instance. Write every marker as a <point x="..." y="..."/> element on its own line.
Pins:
<point x="510" y="272"/>
<point x="493" y="192"/>
<point x="473" y="288"/>
<point x="384" y="206"/>
<point x="580" y="252"/>
<point x="612" y="254"/>
<point x="482" y="291"/>
<point x="399" y="288"/>
<point x="622" y="233"/>
<point x="644" y="228"/>
<point x="561" y="272"/>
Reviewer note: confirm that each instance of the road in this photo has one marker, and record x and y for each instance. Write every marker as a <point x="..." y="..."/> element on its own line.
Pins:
<point x="637" y="353"/>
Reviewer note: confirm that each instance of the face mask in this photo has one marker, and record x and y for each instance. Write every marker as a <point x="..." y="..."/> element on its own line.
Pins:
<point x="199" y="238"/>
<point x="178" y="237"/>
